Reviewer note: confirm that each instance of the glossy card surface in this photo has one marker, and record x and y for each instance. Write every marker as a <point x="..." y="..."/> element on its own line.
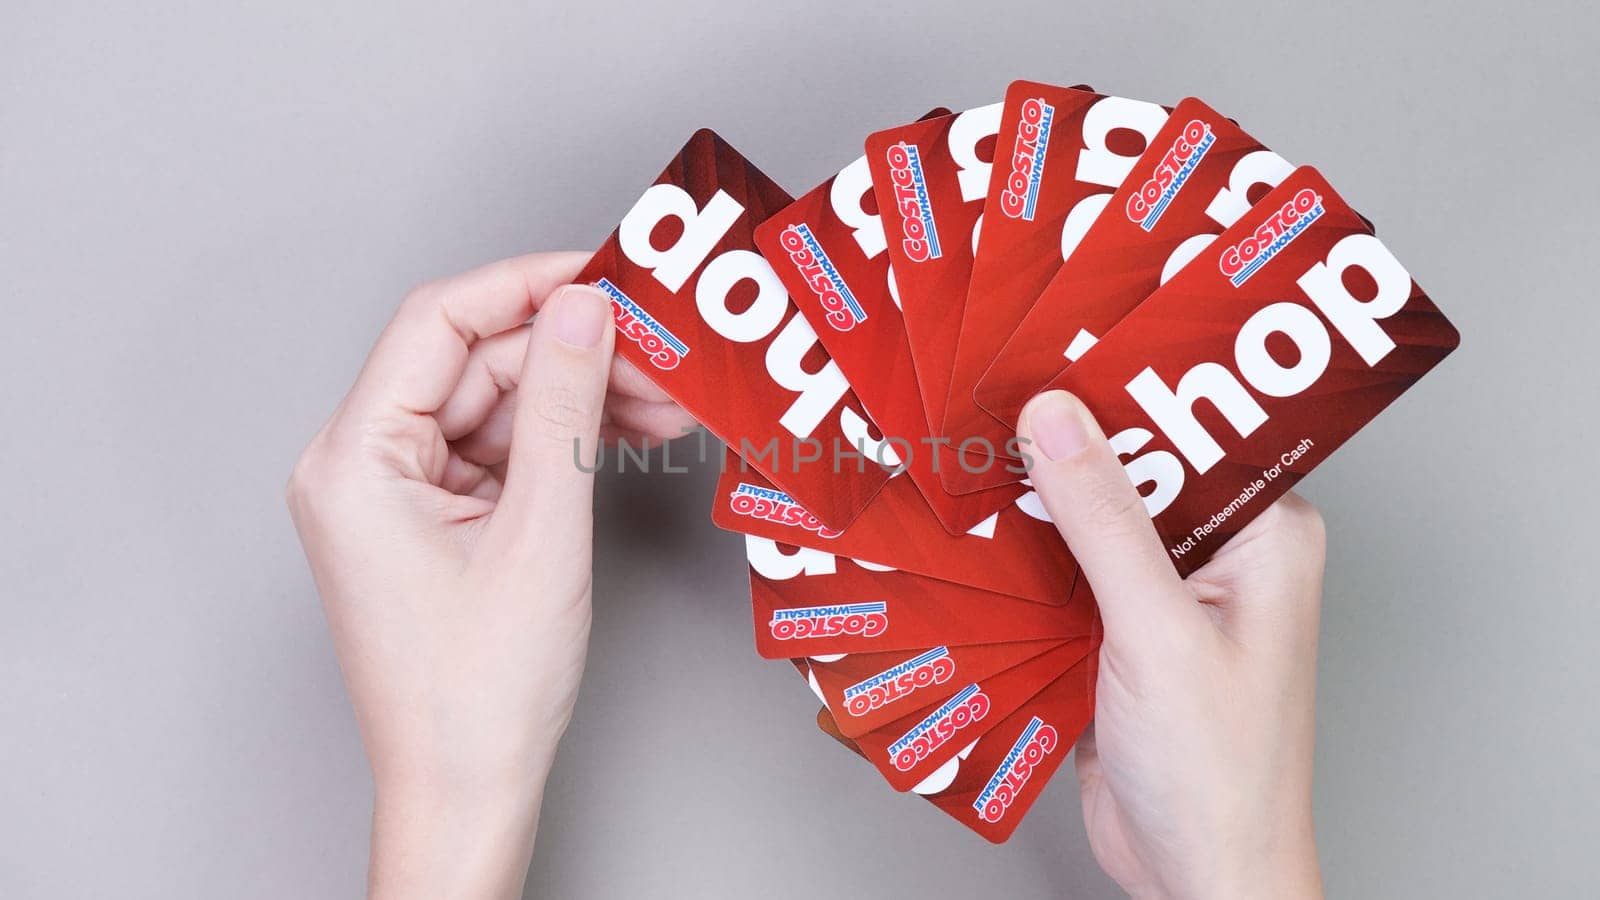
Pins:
<point x="1072" y="148"/>
<point x="1291" y="331"/>
<point x="809" y="603"/>
<point x="866" y="691"/>
<point x="990" y="785"/>
<point x="1199" y="175"/>
<point x="908" y="750"/>
<point x="703" y="315"/>
<point x="929" y="178"/>
<point x="829" y="249"/>
<point x="1016" y="551"/>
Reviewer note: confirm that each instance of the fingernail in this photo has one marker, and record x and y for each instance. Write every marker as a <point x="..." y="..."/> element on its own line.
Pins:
<point x="1059" y="424"/>
<point x="582" y="316"/>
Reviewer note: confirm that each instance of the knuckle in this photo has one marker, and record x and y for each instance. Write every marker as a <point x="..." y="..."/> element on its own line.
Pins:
<point x="324" y="476"/>
<point x="1288" y="540"/>
<point x="382" y="433"/>
<point x="304" y="477"/>
<point x="1298" y="523"/>
<point x="561" y="410"/>
<point x="1108" y="498"/>
<point x="423" y="294"/>
<point x="668" y="423"/>
<point x="294" y="487"/>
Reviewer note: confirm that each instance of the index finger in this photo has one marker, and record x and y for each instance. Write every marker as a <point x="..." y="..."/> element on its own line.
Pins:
<point x="420" y="355"/>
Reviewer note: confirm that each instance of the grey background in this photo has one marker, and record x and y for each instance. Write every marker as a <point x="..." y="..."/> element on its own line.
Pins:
<point x="207" y="211"/>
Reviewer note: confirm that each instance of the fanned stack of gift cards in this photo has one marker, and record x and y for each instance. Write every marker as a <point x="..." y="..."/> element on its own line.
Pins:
<point x="863" y="354"/>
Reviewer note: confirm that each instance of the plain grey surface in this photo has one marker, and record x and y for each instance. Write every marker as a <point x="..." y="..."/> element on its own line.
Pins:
<point x="207" y="211"/>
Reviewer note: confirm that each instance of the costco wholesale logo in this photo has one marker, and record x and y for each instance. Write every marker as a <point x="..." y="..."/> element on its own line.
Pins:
<point x="1247" y="257"/>
<point x="1037" y="742"/>
<point x="1171" y="172"/>
<point x="966" y="707"/>
<point x="662" y="346"/>
<point x="921" y="241"/>
<point x="839" y="305"/>
<point x="864" y="619"/>
<point x="933" y="667"/>
<point x="777" y="507"/>
<point x="1021" y="196"/>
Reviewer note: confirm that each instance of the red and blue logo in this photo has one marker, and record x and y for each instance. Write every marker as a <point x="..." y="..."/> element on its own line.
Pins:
<point x="1286" y="223"/>
<point x="775" y="506"/>
<point x="968" y="706"/>
<point x="1038" y="740"/>
<point x="839" y="305"/>
<point x="1171" y="173"/>
<point x="864" y="619"/>
<point x="921" y="240"/>
<point x="926" y="670"/>
<point x="1021" y="196"/>
<point x="661" y="345"/>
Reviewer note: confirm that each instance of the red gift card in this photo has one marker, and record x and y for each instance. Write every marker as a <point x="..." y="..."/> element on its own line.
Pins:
<point x="990" y="785"/>
<point x="1016" y="551"/>
<point x="828" y="247"/>
<point x="867" y="691"/>
<point x="929" y="180"/>
<point x="703" y="315"/>
<point x="1197" y="178"/>
<point x="998" y="781"/>
<point x="1063" y="151"/>
<point x="908" y="750"/>
<point x="1266" y="352"/>
<point x="811" y="603"/>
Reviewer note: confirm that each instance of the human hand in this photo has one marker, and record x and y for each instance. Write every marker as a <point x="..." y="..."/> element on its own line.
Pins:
<point x="448" y="527"/>
<point x="1196" y="775"/>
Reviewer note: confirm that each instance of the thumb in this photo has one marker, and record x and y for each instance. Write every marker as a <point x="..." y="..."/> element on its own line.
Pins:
<point x="556" y="425"/>
<point x="1102" y="518"/>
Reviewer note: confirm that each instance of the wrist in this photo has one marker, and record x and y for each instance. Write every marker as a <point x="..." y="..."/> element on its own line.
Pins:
<point x="438" y="760"/>
<point x="454" y="833"/>
<point x="1285" y="866"/>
